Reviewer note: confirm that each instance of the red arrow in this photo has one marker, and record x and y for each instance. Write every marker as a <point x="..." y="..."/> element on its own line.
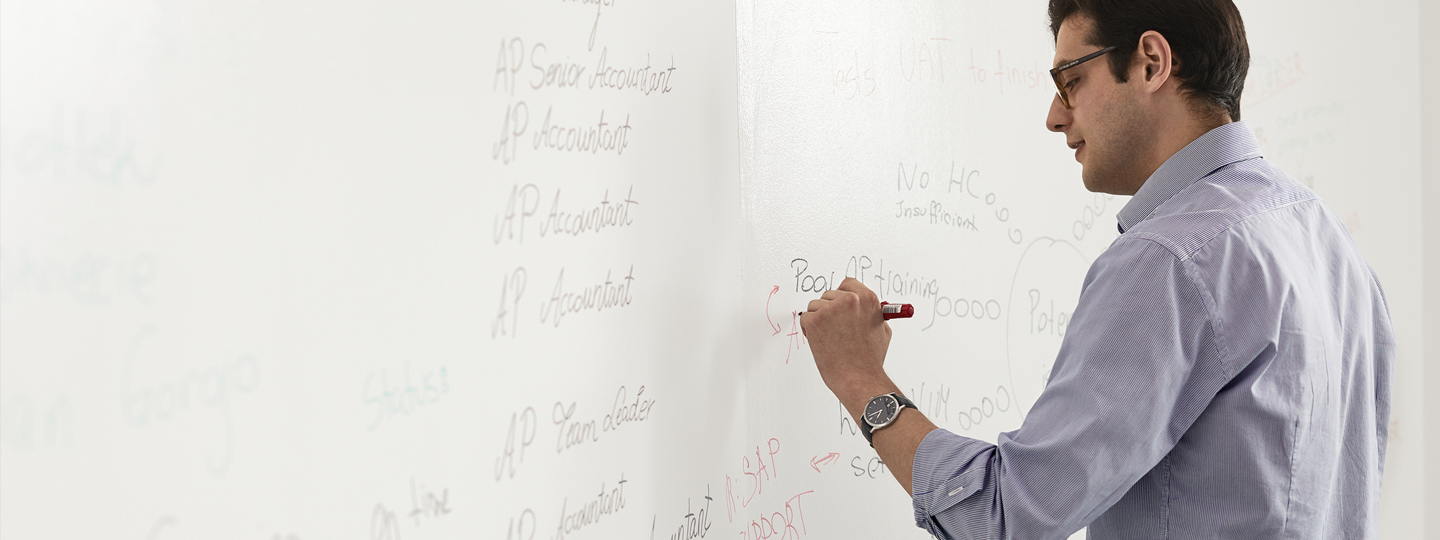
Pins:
<point x="767" y="310"/>
<point x="817" y="461"/>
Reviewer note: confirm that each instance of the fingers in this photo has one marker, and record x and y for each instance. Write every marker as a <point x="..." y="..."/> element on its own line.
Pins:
<point x="815" y="305"/>
<point x="834" y="300"/>
<point x="851" y="292"/>
<point x="854" y="286"/>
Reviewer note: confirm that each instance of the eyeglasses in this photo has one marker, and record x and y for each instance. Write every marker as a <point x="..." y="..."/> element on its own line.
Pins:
<point x="1055" y="73"/>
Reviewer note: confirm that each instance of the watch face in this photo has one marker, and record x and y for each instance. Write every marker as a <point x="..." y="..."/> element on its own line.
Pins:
<point x="881" y="410"/>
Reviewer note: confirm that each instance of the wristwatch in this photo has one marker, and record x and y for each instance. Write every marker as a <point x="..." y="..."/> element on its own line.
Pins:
<point x="881" y="411"/>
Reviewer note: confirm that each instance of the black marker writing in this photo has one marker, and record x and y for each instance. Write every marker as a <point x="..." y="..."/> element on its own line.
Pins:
<point x="609" y="501"/>
<point x="522" y="431"/>
<point x="517" y="121"/>
<point x="512" y="286"/>
<point x="558" y="74"/>
<point x="511" y="59"/>
<point x="519" y="526"/>
<point x="642" y="78"/>
<point x="524" y="201"/>
<point x="427" y="504"/>
<point x="571" y="433"/>
<point x="694" y="524"/>
<point x="810" y="283"/>
<point x="383" y="524"/>
<point x="593" y="219"/>
<point x="623" y="410"/>
<point x="873" y="468"/>
<point x="987" y="408"/>
<point x="1045" y="319"/>
<point x="589" y="138"/>
<point x="598" y="297"/>
<point x="594" y="27"/>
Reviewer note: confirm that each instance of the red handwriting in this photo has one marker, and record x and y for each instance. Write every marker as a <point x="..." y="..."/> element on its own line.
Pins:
<point x="773" y="326"/>
<point x="736" y="496"/>
<point x="853" y="77"/>
<point x="797" y="337"/>
<point x="925" y="61"/>
<point x="780" y="524"/>
<point x="1269" y="76"/>
<point x="817" y="461"/>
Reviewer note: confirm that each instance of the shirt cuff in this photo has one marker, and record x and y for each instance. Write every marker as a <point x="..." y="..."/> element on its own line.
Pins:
<point x="948" y="469"/>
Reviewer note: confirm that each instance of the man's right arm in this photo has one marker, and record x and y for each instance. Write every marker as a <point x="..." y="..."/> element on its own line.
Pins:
<point x="1139" y="362"/>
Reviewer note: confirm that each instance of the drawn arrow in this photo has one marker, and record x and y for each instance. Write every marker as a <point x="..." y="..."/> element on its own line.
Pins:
<point x="817" y="461"/>
<point x="767" y="311"/>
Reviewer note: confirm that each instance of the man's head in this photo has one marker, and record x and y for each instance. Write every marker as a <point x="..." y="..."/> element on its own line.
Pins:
<point x="1176" y="71"/>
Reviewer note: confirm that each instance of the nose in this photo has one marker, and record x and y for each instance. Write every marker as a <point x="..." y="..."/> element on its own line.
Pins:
<point x="1059" y="117"/>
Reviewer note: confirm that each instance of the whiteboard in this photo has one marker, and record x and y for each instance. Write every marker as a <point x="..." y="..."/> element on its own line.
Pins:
<point x="524" y="271"/>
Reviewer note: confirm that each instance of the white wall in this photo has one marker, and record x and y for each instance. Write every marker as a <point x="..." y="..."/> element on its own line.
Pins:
<point x="1430" y="188"/>
<point x="312" y="192"/>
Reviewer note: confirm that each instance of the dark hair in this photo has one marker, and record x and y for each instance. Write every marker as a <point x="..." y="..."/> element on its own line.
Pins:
<point x="1207" y="39"/>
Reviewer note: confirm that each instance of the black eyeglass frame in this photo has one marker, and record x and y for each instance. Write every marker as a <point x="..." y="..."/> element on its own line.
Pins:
<point x="1055" y="73"/>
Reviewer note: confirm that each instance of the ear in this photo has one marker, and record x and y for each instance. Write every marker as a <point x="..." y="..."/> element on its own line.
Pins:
<point x="1155" y="64"/>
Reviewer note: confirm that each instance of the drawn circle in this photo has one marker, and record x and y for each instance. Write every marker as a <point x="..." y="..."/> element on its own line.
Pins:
<point x="1047" y="281"/>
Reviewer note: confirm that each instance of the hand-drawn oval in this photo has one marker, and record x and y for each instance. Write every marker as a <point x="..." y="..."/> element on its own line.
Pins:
<point x="1043" y="294"/>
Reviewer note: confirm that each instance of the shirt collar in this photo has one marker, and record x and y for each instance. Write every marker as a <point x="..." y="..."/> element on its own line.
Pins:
<point x="1230" y="143"/>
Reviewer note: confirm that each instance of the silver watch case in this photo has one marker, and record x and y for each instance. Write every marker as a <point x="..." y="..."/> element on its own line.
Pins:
<point x="881" y="411"/>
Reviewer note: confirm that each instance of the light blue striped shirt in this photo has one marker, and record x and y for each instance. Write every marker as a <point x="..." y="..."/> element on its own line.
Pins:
<point x="1225" y="375"/>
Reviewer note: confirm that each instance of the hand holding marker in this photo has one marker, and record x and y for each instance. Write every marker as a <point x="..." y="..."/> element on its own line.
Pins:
<point x="892" y="311"/>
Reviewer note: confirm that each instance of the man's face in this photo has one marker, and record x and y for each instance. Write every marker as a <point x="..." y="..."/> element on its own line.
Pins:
<point x="1105" y="124"/>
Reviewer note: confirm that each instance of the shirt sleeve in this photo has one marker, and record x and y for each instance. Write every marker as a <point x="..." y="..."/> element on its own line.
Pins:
<point x="1138" y="364"/>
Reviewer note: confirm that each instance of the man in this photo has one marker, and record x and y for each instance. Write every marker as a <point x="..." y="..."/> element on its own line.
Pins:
<point x="1226" y="373"/>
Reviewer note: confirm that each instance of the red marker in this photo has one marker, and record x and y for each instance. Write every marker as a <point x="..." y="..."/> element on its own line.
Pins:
<point x="896" y="311"/>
